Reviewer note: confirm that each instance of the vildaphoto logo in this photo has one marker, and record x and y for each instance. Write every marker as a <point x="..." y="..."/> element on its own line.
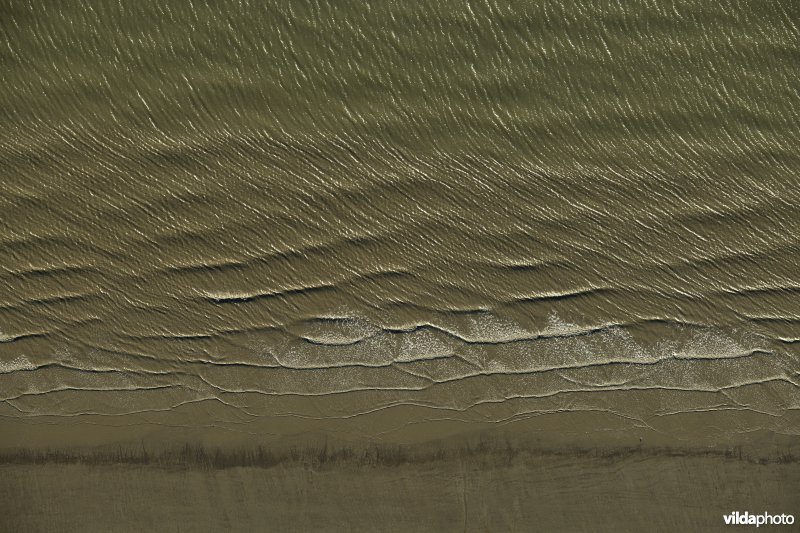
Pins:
<point x="746" y="519"/>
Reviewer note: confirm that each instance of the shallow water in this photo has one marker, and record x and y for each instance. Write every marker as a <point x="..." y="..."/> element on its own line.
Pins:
<point x="254" y="222"/>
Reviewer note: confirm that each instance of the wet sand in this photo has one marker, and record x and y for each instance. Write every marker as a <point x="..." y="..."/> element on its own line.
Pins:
<point x="634" y="492"/>
<point x="509" y="479"/>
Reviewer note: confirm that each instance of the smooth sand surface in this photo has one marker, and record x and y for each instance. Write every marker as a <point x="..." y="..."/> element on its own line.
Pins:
<point x="638" y="492"/>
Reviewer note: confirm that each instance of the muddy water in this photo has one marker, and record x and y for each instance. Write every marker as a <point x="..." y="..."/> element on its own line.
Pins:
<point x="245" y="223"/>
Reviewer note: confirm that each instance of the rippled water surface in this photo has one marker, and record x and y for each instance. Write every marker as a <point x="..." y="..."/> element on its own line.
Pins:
<point x="398" y="220"/>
